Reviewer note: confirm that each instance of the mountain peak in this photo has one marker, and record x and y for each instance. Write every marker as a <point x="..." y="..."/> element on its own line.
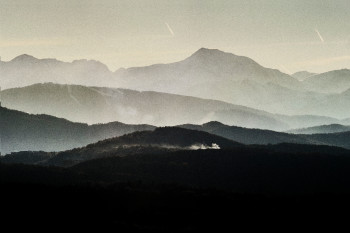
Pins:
<point x="216" y="56"/>
<point x="203" y="50"/>
<point x="206" y="52"/>
<point x="92" y="64"/>
<point x="214" y="124"/>
<point x="24" y="57"/>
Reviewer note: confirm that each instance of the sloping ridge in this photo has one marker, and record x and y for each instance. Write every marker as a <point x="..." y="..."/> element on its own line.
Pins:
<point x="174" y="136"/>
<point x="335" y="81"/>
<point x="322" y="129"/>
<point x="263" y="137"/>
<point x="25" y="132"/>
<point x="100" y="105"/>
<point x="158" y="141"/>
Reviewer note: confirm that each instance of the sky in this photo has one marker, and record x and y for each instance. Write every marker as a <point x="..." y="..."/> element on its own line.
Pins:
<point x="289" y="35"/>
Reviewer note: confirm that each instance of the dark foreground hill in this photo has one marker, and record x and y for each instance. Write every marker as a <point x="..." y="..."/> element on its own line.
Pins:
<point x="186" y="191"/>
<point x="245" y="170"/>
<point x="282" y="168"/>
<point x="137" y="207"/>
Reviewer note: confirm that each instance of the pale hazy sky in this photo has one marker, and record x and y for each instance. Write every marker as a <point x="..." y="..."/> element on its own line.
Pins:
<point x="289" y="35"/>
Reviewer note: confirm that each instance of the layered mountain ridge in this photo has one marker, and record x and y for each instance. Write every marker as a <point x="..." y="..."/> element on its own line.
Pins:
<point x="20" y="131"/>
<point x="24" y="132"/>
<point x="207" y="73"/>
<point x="102" y="105"/>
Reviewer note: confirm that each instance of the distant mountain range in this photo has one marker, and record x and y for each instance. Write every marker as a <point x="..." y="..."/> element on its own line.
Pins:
<point x="213" y="74"/>
<point x="101" y="105"/>
<point x="208" y="73"/>
<point x="26" y="70"/>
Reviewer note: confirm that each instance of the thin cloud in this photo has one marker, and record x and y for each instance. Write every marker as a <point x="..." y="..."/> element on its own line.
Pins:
<point x="170" y="30"/>
<point x="319" y="35"/>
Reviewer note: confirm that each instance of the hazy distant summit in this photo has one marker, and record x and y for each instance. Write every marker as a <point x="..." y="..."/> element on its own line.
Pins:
<point x="211" y="73"/>
<point x="209" y="63"/>
<point x="26" y="70"/>
<point x="302" y="75"/>
<point x="24" y="58"/>
<point x="335" y="81"/>
<point x="210" y="56"/>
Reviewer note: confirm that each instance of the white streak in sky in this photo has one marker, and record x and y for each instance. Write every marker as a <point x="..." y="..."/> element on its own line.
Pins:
<point x="170" y="30"/>
<point x="319" y="35"/>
